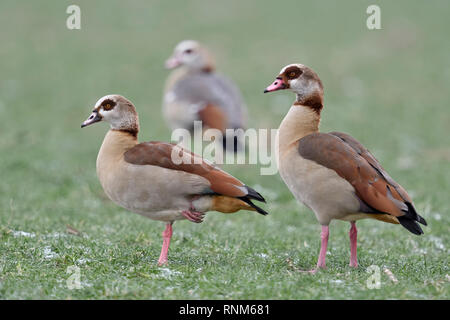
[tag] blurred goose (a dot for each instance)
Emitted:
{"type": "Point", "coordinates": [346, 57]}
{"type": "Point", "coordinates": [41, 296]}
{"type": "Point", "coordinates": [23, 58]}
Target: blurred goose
{"type": "Point", "coordinates": [332, 173]}
{"type": "Point", "coordinates": [196, 92]}
{"type": "Point", "coordinates": [160, 180]}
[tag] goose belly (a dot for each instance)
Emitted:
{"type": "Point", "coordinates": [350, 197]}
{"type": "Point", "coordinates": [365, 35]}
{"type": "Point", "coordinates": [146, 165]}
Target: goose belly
{"type": "Point", "coordinates": [319, 188]}
{"type": "Point", "coordinates": [155, 192]}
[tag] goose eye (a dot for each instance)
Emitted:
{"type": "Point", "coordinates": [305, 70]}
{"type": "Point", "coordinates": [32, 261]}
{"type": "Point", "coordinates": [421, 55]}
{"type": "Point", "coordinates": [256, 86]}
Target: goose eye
{"type": "Point", "coordinates": [108, 105]}
{"type": "Point", "coordinates": [188, 51]}
{"type": "Point", "coordinates": [292, 74]}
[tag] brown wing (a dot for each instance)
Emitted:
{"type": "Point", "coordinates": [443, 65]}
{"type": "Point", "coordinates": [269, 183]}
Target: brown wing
{"type": "Point", "coordinates": [397, 192]}
{"type": "Point", "coordinates": [374, 187]}
{"type": "Point", "coordinates": [370, 185]}
{"type": "Point", "coordinates": [173, 157]}
{"type": "Point", "coordinates": [213, 117]}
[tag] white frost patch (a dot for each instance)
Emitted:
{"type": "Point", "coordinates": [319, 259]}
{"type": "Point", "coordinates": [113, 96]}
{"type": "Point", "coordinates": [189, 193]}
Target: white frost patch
{"type": "Point", "coordinates": [85, 284]}
{"type": "Point", "coordinates": [291, 229]}
{"type": "Point", "coordinates": [437, 242]}
{"type": "Point", "coordinates": [23, 234]}
{"type": "Point", "coordinates": [56, 235]}
{"type": "Point", "coordinates": [337, 281]}
{"type": "Point", "coordinates": [48, 253]}
{"type": "Point", "coordinates": [83, 261]}
{"type": "Point", "coordinates": [262, 255]}
{"type": "Point", "coordinates": [437, 217]}
{"type": "Point", "coordinates": [167, 273]}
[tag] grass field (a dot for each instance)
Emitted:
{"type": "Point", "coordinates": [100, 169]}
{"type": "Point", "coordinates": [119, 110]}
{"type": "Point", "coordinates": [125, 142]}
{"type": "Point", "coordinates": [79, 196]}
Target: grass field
{"type": "Point", "coordinates": [388, 88]}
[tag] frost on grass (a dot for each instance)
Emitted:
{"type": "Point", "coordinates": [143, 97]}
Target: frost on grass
{"type": "Point", "coordinates": [337, 281]}
{"type": "Point", "coordinates": [162, 273]}
{"type": "Point", "coordinates": [23, 234]}
{"type": "Point", "coordinates": [437, 243]}
{"type": "Point", "coordinates": [82, 261]}
{"type": "Point", "coordinates": [48, 253]}
{"type": "Point", "coordinates": [167, 273]}
{"type": "Point", "coordinates": [291, 229]}
{"type": "Point", "coordinates": [55, 235]}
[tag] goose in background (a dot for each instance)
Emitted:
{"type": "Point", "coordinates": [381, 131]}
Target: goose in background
{"type": "Point", "coordinates": [194, 91]}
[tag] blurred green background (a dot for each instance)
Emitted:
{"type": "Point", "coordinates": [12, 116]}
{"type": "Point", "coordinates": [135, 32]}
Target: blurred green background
{"type": "Point", "coordinates": [388, 88]}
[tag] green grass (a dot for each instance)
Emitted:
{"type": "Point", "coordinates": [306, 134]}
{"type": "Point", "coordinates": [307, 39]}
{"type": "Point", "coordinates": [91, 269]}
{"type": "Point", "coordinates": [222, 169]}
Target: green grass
{"type": "Point", "coordinates": [388, 88]}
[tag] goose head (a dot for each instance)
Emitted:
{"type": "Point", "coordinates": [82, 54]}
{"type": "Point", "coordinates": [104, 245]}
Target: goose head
{"type": "Point", "coordinates": [191, 55]}
{"type": "Point", "coordinates": [303, 81]}
{"type": "Point", "coordinates": [118, 111]}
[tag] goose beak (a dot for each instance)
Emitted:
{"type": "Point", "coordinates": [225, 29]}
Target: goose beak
{"type": "Point", "coordinates": [278, 84]}
{"type": "Point", "coordinates": [93, 118]}
{"type": "Point", "coordinates": [172, 62]}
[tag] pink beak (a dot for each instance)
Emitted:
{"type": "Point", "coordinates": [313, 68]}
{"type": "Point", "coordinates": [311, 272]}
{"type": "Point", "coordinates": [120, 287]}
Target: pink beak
{"type": "Point", "coordinates": [278, 84]}
{"type": "Point", "coordinates": [173, 62]}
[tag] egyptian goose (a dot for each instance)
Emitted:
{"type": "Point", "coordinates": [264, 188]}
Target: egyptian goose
{"type": "Point", "coordinates": [195, 92]}
{"type": "Point", "coordinates": [332, 173]}
{"type": "Point", "coordinates": [160, 180]}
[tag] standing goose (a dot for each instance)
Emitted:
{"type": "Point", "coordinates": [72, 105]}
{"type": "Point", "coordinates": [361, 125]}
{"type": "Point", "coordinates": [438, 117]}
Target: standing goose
{"type": "Point", "coordinates": [332, 173]}
{"type": "Point", "coordinates": [195, 92]}
{"type": "Point", "coordinates": [160, 180]}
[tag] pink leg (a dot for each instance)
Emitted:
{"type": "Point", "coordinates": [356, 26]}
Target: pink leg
{"type": "Point", "coordinates": [167, 235]}
{"type": "Point", "coordinates": [353, 245]}
{"type": "Point", "coordinates": [323, 249]}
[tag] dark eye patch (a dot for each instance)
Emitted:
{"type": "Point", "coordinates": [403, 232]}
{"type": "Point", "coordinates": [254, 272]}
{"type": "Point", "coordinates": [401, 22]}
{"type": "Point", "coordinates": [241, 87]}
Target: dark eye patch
{"type": "Point", "coordinates": [188, 51]}
{"type": "Point", "coordinates": [108, 104]}
{"type": "Point", "coordinates": [293, 72]}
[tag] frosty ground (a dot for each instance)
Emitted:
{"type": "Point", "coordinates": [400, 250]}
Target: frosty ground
{"type": "Point", "coordinates": [387, 88]}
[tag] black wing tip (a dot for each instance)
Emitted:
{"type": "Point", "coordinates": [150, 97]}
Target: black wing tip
{"type": "Point", "coordinates": [412, 213]}
{"type": "Point", "coordinates": [422, 220]}
{"type": "Point", "coordinates": [411, 225]}
{"type": "Point", "coordinates": [260, 211]}
{"type": "Point", "coordinates": [253, 194]}
{"type": "Point", "coordinates": [251, 204]}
